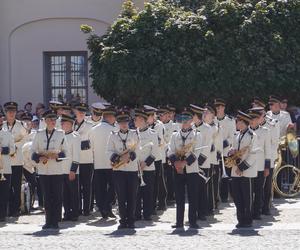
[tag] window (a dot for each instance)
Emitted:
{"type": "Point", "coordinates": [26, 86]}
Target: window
{"type": "Point", "coordinates": [66, 76]}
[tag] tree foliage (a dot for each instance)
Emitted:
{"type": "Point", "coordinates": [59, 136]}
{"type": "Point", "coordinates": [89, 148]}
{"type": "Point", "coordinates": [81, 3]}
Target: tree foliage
{"type": "Point", "coordinates": [173, 52]}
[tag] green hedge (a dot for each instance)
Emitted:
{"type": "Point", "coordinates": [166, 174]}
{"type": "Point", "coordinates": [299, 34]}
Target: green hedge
{"type": "Point", "coordinates": [170, 54]}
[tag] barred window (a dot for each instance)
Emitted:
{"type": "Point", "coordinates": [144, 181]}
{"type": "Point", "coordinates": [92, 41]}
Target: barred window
{"type": "Point", "coordinates": [66, 76]}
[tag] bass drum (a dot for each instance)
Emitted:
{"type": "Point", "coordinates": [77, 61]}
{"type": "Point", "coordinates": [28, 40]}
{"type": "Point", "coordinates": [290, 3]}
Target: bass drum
{"type": "Point", "coordinates": [286, 181]}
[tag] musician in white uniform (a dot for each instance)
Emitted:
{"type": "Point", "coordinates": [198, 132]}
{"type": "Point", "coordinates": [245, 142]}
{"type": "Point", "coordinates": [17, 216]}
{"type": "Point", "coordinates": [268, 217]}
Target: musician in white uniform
{"type": "Point", "coordinates": [49, 147]}
{"type": "Point", "coordinates": [19, 133]}
{"type": "Point", "coordinates": [104, 188]}
{"type": "Point", "coordinates": [169, 127]}
{"type": "Point", "coordinates": [273, 126]}
{"type": "Point", "coordinates": [71, 170]}
{"type": "Point", "coordinates": [215, 154]}
{"type": "Point", "coordinates": [96, 113]}
{"type": "Point", "coordinates": [205, 189]}
{"type": "Point", "coordinates": [283, 117]}
{"type": "Point", "coordinates": [160, 189]}
{"type": "Point", "coordinates": [147, 152]}
{"type": "Point", "coordinates": [187, 177]}
{"type": "Point", "coordinates": [245, 170]}
{"type": "Point", "coordinates": [7, 147]}
{"type": "Point", "coordinates": [228, 129]}
{"type": "Point", "coordinates": [263, 158]}
{"type": "Point", "coordinates": [58, 108]}
{"type": "Point", "coordinates": [86, 164]}
{"type": "Point", "coordinates": [121, 149]}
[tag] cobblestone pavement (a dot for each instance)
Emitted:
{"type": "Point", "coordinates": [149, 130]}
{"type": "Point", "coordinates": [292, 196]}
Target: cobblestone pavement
{"type": "Point", "coordinates": [280, 231]}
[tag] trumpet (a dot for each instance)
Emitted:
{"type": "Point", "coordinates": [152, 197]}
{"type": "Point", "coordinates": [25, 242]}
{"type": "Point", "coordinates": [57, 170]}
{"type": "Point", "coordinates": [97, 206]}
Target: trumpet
{"type": "Point", "coordinates": [224, 175]}
{"type": "Point", "coordinates": [231, 161]}
{"type": "Point", "coordinates": [201, 174]}
{"type": "Point", "coordinates": [140, 174]}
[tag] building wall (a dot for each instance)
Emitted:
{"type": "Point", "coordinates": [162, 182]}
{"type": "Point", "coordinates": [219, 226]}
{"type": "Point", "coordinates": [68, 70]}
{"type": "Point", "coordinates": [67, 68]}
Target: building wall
{"type": "Point", "coordinates": [30, 27]}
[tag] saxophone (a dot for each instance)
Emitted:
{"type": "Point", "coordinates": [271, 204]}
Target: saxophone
{"type": "Point", "coordinates": [180, 153]}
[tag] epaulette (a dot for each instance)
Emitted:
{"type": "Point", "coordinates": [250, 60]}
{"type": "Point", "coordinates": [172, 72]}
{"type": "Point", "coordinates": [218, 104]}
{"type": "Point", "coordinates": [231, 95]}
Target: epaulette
{"type": "Point", "coordinates": [76, 133]}
{"type": "Point", "coordinates": [230, 117]}
{"type": "Point", "coordinates": [284, 112]}
{"type": "Point", "coordinates": [152, 131]}
{"type": "Point", "coordinates": [59, 130]}
{"type": "Point", "coordinates": [40, 130]}
{"type": "Point", "coordinates": [251, 133]}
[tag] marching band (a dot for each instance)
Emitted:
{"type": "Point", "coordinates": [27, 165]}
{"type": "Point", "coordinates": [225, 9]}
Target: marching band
{"type": "Point", "coordinates": [141, 160]}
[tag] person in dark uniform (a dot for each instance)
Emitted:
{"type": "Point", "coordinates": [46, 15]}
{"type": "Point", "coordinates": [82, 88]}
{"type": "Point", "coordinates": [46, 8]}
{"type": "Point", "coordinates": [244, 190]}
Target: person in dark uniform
{"type": "Point", "coordinates": [19, 133]}
{"type": "Point", "coordinates": [71, 170]}
{"type": "Point", "coordinates": [121, 150]}
{"type": "Point", "coordinates": [183, 154]}
{"type": "Point", "coordinates": [49, 148]}
{"type": "Point", "coordinates": [7, 147]}
{"type": "Point", "coordinates": [244, 170]}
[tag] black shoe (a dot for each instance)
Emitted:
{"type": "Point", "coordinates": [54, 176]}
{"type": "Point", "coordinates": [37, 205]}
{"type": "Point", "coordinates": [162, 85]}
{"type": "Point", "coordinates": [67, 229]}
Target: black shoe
{"type": "Point", "coordinates": [246, 225]}
{"type": "Point", "coordinates": [161, 208]}
{"type": "Point", "coordinates": [104, 215]}
{"type": "Point", "coordinates": [74, 218]}
{"type": "Point", "coordinates": [257, 217]}
{"type": "Point", "coordinates": [122, 226]}
{"type": "Point", "coordinates": [111, 215]}
{"type": "Point", "coordinates": [66, 219]}
{"type": "Point", "coordinates": [177, 226]}
{"type": "Point", "coordinates": [154, 212]}
{"type": "Point", "coordinates": [131, 226]}
{"type": "Point", "coordinates": [54, 226]}
{"type": "Point", "coordinates": [86, 213]}
{"type": "Point", "coordinates": [15, 214]}
{"type": "Point", "coordinates": [148, 218]}
{"type": "Point", "coordinates": [138, 217]}
{"type": "Point", "coordinates": [266, 212]}
{"type": "Point", "coordinates": [239, 225]}
{"type": "Point", "coordinates": [46, 226]}
{"type": "Point", "coordinates": [224, 200]}
{"type": "Point", "coordinates": [2, 219]}
{"type": "Point", "coordinates": [194, 225]}
{"type": "Point", "coordinates": [202, 218]}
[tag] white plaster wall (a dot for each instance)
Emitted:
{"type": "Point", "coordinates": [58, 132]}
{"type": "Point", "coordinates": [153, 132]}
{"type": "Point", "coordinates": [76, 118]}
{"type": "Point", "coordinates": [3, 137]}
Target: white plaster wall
{"type": "Point", "coordinates": [30, 27]}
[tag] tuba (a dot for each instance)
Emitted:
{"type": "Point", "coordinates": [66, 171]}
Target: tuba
{"type": "Point", "coordinates": [286, 177]}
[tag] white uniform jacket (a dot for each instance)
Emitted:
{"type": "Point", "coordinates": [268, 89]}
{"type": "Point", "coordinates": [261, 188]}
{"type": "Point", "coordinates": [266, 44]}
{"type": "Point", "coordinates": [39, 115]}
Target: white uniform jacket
{"type": "Point", "coordinates": [86, 153]}
{"type": "Point", "coordinates": [184, 138]}
{"type": "Point", "coordinates": [148, 149]}
{"type": "Point", "coordinates": [74, 144]}
{"type": "Point", "coordinates": [54, 142]}
{"type": "Point", "coordinates": [228, 129]}
{"type": "Point", "coordinates": [19, 134]}
{"type": "Point", "coordinates": [248, 162]}
{"type": "Point", "coordinates": [263, 155]}
{"type": "Point", "coordinates": [99, 136]}
{"type": "Point", "coordinates": [7, 147]}
{"type": "Point", "coordinates": [118, 142]}
{"type": "Point", "coordinates": [206, 135]}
